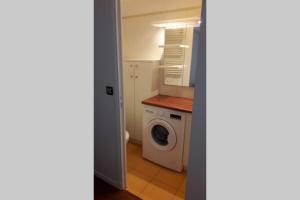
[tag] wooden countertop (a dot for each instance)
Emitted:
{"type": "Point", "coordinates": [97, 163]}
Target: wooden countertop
{"type": "Point", "coordinates": [175, 103]}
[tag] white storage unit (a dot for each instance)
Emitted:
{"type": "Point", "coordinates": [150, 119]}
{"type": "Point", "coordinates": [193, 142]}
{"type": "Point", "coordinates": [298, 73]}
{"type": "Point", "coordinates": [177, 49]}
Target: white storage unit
{"type": "Point", "coordinates": [141, 81]}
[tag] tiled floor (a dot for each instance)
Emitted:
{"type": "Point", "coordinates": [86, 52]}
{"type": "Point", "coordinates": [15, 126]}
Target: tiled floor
{"type": "Point", "coordinates": [150, 181]}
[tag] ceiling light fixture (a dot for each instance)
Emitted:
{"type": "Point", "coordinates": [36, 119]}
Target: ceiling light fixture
{"type": "Point", "coordinates": [179, 23]}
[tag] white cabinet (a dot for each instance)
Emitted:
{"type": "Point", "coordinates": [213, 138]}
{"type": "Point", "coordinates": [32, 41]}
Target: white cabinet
{"type": "Point", "coordinates": [141, 81]}
{"type": "Point", "coordinates": [128, 86]}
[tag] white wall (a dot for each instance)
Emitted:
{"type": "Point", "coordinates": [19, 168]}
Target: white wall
{"type": "Point", "coordinates": [177, 91]}
{"type": "Point", "coordinates": [136, 7]}
{"type": "Point", "coordinates": [141, 40]}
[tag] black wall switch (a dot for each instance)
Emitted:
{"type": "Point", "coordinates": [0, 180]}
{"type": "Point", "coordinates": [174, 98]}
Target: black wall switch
{"type": "Point", "coordinates": [109, 90]}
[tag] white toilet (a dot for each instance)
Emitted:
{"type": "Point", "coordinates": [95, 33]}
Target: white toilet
{"type": "Point", "coordinates": [126, 136]}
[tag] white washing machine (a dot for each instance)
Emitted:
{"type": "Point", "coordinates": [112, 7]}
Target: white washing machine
{"type": "Point", "coordinates": [163, 136]}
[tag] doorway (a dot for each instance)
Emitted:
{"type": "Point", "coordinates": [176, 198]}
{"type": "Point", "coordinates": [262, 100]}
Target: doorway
{"type": "Point", "coordinates": [157, 46]}
{"type": "Point", "coordinates": [110, 125]}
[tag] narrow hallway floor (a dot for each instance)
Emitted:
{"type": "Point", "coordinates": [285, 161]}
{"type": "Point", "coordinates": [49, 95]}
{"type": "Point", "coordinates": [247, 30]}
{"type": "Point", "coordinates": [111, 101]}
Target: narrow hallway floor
{"type": "Point", "coordinates": [104, 191]}
{"type": "Point", "coordinates": [150, 181]}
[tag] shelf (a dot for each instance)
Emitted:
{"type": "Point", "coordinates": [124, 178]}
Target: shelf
{"type": "Point", "coordinates": [172, 66]}
{"type": "Point", "coordinates": [174, 46]}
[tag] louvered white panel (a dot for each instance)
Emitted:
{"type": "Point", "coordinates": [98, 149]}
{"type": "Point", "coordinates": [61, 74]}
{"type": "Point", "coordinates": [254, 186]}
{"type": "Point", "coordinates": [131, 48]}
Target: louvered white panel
{"type": "Point", "coordinates": [173, 75]}
{"type": "Point", "coordinates": [175, 36]}
{"type": "Point", "coordinates": [174, 70]}
{"type": "Point", "coordinates": [174, 55]}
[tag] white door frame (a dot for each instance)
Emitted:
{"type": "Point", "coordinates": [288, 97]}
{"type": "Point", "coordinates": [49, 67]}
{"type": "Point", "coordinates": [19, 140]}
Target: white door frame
{"type": "Point", "coordinates": [121, 91]}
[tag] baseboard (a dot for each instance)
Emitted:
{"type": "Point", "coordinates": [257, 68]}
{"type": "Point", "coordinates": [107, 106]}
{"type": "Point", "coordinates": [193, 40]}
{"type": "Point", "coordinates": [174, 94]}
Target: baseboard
{"type": "Point", "coordinates": [108, 180]}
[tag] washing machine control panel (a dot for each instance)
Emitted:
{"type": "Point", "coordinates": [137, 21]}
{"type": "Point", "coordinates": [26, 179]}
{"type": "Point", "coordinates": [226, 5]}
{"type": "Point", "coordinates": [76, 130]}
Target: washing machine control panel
{"type": "Point", "coordinates": [173, 116]}
{"type": "Point", "coordinates": [150, 111]}
{"type": "Point", "coordinates": [164, 113]}
{"type": "Point", "coordinates": [155, 112]}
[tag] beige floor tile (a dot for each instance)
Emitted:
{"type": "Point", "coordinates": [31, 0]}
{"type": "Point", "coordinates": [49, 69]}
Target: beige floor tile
{"type": "Point", "coordinates": [182, 186]}
{"type": "Point", "coordinates": [136, 182]}
{"type": "Point", "coordinates": [150, 181]}
{"type": "Point", "coordinates": [138, 152]}
{"type": "Point", "coordinates": [134, 155]}
{"type": "Point", "coordinates": [133, 150]}
{"type": "Point", "coordinates": [132, 147]}
{"type": "Point", "coordinates": [169, 177]}
{"type": "Point", "coordinates": [133, 160]}
{"type": "Point", "coordinates": [179, 195]}
{"type": "Point", "coordinates": [148, 168]}
{"type": "Point", "coordinates": [158, 191]}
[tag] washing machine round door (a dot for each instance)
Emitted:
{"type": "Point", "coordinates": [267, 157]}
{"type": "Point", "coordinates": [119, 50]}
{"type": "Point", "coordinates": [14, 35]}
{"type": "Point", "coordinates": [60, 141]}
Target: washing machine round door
{"type": "Point", "coordinates": [161, 135]}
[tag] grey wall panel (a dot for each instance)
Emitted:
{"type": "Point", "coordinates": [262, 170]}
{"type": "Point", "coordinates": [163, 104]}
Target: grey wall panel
{"type": "Point", "coordinates": [196, 179]}
{"type": "Point", "coordinates": [107, 140]}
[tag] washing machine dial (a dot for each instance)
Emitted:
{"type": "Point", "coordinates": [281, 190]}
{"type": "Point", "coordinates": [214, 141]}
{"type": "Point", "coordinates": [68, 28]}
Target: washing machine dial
{"type": "Point", "coordinates": [150, 111]}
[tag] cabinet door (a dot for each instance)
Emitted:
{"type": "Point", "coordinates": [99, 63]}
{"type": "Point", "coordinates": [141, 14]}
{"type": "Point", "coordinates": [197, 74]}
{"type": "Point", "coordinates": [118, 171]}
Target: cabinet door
{"type": "Point", "coordinates": [128, 79]}
{"type": "Point", "coordinates": [144, 88]}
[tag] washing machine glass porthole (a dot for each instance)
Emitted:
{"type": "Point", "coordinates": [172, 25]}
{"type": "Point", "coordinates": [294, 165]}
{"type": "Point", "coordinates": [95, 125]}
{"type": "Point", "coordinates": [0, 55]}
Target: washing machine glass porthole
{"type": "Point", "coordinates": [160, 135]}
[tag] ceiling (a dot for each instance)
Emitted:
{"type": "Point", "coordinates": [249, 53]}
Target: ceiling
{"type": "Point", "coordinates": [136, 7]}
